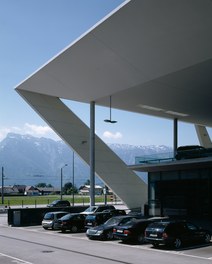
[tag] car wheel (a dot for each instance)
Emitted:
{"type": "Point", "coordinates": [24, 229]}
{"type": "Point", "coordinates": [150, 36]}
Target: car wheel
{"type": "Point", "coordinates": [207, 238]}
{"type": "Point", "coordinates": [109, 235]}
{"type": "Point", "coordinates": [155, 244]}
{"type": "Point", "coordinates": [74, 229]}
{"type": "Point", "coordinates": [177, 243]}
{"type": "Point", "coordinates": [140, 239]}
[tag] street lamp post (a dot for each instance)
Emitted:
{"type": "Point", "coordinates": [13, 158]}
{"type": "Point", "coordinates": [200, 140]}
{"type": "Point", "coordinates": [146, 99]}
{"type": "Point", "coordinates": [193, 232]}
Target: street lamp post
{"type": "Point", "coordinates": [61, 181]}
{"type": "Point", "coordinates": [2, 185]}
{"type": "Point", "coordinates": [73, 179]}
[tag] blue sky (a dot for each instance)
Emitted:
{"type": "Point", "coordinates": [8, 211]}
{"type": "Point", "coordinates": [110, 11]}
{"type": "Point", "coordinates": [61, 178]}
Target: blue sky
{"type": "Point", "coordinates": [32, 32]}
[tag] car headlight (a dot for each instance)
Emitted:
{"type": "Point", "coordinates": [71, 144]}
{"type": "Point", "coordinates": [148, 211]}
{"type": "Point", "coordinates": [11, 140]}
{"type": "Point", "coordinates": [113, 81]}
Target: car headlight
{"type": "Point", "coordinates": [99, 232]}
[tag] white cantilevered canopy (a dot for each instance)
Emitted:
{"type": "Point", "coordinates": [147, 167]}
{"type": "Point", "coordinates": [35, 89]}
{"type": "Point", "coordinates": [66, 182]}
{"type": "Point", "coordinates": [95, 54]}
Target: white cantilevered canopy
{"type": "Point", "coordinates": [153, 57]}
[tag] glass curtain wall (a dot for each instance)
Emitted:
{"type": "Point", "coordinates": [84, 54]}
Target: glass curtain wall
{"type": "Point", "coordinates": [181, 193]}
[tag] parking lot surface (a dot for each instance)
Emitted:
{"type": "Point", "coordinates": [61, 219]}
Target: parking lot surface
{"type": "Point", "coordinates": [33, 244]}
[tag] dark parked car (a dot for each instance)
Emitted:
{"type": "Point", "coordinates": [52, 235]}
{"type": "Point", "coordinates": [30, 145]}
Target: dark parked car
{"type": "Point", "coordinates": [50, 218]}
{"type": "Point", "coordinates": [189, 152]}
{"type": "Point", "coordinates": [59, 203]}
{"type": "Point", "coordinates": [174, 233]}
{"type": "Point", "coordinates": [96, 219]}
{"type": "Point", "coordinates": [97, 208]}
{"type": "Point", "coordinates": [105, 231]}
{"type": "Point", "coordinates": [133, 231]}
{"type": "Point", "coordinates": [73, 222]}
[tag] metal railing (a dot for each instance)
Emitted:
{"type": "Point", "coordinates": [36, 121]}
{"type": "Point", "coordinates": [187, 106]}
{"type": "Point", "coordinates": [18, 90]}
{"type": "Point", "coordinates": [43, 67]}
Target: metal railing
{"type": "Point", "coordinates": [155, 158]}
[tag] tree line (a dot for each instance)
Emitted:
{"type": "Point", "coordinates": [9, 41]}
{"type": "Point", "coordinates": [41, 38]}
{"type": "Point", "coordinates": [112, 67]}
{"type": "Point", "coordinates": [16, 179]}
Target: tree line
{"type": "Point", "coordinates": [67, 189]}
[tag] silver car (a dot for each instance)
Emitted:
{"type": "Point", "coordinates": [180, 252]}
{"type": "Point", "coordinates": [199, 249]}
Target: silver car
{"type": "Point", "coordinates": [50, 219]}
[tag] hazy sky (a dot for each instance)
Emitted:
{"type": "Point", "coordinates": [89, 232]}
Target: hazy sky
{"type": "Point", "coordinates": [32, 32]}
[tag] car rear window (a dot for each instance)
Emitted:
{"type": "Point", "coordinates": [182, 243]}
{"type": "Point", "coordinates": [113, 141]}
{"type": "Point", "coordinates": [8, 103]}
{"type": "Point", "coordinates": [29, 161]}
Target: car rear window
{"type": "Point", "coordinates": [66, 217]}
{"type": "Point", "coordinates": [90, 217]}
{"type": "Point", "coordinates": [159, 225]}
{"type": "Point", "coordinates": [91, 209]}
{"type": "Point", "coordinates": [127, 220]}
{"type": "Point", "coordinates": [60, 215]}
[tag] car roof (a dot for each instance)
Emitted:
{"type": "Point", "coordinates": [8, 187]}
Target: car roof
{"type": "Point", "coordinates": [59, 212]}
{"type": "Point", "coordinates": [166, 222]}
{"type": "Point", "coordinates": [56, 201]}
{"type": "Point", "coordinates": [189, 147]}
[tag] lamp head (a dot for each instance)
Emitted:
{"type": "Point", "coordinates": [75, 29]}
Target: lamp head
{"type": "Point", "coordinates": [110, 121]}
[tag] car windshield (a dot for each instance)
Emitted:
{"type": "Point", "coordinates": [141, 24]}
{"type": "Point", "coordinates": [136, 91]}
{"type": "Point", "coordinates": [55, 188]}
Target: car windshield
{"type": "Point", "coordinates": [54, 202]}
{"type": "Point", "coordinates": [91, 209]}
{"type": "Point", "coordinates": [48, 216]}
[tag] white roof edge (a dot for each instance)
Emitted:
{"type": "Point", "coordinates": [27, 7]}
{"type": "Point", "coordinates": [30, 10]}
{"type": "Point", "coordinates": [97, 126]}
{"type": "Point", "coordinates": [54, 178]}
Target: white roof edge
{"type": "Point", "coordinates": [75, 41]}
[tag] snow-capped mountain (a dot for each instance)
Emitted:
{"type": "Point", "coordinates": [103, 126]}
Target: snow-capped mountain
{"type": "Point", "coordinates": [29, 160]}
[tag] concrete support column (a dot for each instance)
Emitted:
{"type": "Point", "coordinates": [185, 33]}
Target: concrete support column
{"type": "Point", "coordinates": [92, 153]}
{"type": "Point", "coordinates": [175, 136]}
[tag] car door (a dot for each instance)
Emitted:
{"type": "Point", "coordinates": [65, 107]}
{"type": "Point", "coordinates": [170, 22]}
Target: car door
{"type": "Point", "coordinates": [79, 221]}
{"type": "Point", "coordinates": [194, 231]}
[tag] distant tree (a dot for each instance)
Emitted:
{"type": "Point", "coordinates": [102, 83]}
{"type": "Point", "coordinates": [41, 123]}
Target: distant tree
{"type": "Point", "coordinates": [88, 182]}
{"type": "Point", "coordinates": [69, 188]}
{"type": "Point", "coordinates": [72, 190]}
{"type": "Point", "coordinates": [41, 185]}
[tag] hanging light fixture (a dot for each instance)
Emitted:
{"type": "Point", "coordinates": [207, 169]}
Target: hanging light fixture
{"type": "Point", "coordinates": [110, 120]}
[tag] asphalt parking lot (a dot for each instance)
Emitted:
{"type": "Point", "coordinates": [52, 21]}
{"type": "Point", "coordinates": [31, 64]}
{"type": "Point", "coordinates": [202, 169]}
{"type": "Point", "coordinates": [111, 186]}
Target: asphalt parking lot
{"type": "Point", "coordinates": [201, 252]}
{"type": "Point", "coordinates": [196, 251]}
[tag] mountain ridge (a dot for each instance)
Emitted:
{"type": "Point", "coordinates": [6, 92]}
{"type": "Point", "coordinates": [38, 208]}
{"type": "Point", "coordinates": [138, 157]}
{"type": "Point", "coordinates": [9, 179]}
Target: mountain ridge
{"type": "Point", "coordinates": [30, 160]}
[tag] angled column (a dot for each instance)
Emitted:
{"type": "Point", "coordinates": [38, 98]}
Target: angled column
{"type": "Point", "coordinates": [203, 136]}
{"type": "Point", "coordinates": [108, 166]}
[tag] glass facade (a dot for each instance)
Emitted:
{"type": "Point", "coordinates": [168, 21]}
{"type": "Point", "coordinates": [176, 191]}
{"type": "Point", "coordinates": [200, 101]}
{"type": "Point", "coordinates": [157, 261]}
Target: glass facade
{"type": "Point", "coordinates": [181, 193]}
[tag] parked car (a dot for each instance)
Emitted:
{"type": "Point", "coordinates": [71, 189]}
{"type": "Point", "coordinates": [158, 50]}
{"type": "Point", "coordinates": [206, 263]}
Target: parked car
{"type": "Point", "coordinates": [50, 219]}
{"type": "Point", "coordinates": [133, 231]}
{"type": "Point", "coordinates": [97, 208]}
{"type": "Point", "coordinates": [175, 233]}
{"type": "Point", "coordinates": [73, 222]}
{"type": "Point", "coordinates": [59, 203]}
{"type": "Point", "coordinates": [105, 231]}
{"type": "Point", "coordinates": [99, 218]}
{"type": "Point", "coordinates": [189, 152]}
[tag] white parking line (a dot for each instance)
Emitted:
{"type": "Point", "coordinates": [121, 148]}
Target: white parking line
{"type": "Point", "coordinates": [16, 259]}
{"type": "Point", "coordinates": [145, 247]}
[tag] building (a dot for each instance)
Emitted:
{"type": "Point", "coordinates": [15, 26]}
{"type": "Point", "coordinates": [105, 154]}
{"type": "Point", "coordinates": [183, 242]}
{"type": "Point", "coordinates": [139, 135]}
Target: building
{"type": "Point", "coordinates": [31, 191]}
{"type": "Point", "coordinates": [9, 190]}
{"type": "Point", "coordinates": [48, 190]}
{"type": "Point", "coordinates": [85, 190]}
{"type": "Point", "coordinates": [179, 187]}
{"type": "Point", "coordinates": [149, 57]}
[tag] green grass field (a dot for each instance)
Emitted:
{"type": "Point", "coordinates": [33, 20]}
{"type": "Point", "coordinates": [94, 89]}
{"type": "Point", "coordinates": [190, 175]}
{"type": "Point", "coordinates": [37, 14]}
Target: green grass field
{"type": "Point", "coordinates": [39, 200]}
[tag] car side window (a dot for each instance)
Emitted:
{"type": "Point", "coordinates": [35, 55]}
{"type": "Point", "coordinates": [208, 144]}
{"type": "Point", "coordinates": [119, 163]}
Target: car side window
{"type": "Point", "coordinates": [191, 227]}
